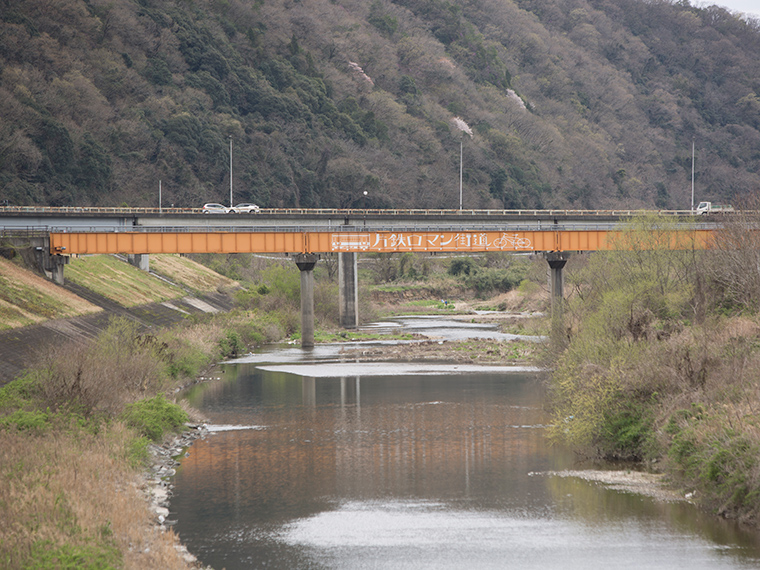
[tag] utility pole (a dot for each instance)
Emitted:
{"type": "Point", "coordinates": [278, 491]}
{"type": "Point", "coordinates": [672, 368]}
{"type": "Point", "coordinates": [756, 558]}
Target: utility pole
{"type": "Point", "coordinates": [460, 171]}
{"type": "Point", "coordinates": [231, 204]}
{"type": "Point", "coordinates": [692, 175]}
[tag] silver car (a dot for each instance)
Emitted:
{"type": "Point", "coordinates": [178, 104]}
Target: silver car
{"type": "Point", "coordinates": [245, 208]}
{"type": "Point", "coordinates": [213, 208]}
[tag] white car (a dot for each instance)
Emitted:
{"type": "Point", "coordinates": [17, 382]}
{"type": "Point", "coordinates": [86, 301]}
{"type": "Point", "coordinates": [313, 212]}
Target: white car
{"type": "Point", "coordinates": [245, 208]}
{"type": "Point", "coordinates": [213, 208]}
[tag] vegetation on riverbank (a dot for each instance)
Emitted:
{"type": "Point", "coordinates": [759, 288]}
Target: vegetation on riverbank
{"type": "Point", "coordinates": [74, 433]}
{"type": "Point", "coordinates": [661, 362]}
{"type": "Point", "coordinates": [89, 411]}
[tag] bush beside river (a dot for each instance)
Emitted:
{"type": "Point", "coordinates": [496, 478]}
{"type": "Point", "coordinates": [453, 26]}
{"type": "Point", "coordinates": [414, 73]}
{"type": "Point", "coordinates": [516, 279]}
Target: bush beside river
{"type": "Point", "coordinates": [659, 362]}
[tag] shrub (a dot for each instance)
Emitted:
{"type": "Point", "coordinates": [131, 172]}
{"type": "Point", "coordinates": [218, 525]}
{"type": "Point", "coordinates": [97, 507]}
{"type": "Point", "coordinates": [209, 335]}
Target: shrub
{"type": "Point", "coordinates": [33, 421]}
{"type": "Point", "coordinates": [137, 451]}
{"type": "Point", "coordinates": [231, 345]}
{"type": "Point", "coordinates": [186, 361]}
{"type": "Point", "coordinates": [462, 266]}
{"type": "Point", "coordinates": [627, 432]}
{"type": "Point", "coordinates": [154, 417]}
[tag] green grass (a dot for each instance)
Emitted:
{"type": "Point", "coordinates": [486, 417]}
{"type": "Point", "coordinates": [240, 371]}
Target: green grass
{"type": "Point", "coordinates": [119, 281]}
{"type": "Point", "coordinates": [154, 417]}
{"type": "Point", "coordinates": [348, 336]}
{"type": "Point", "coordinates": [27, 299]}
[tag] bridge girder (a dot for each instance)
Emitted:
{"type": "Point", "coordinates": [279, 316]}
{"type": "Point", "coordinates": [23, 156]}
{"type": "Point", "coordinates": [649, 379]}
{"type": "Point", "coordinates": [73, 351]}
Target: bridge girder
{"type": "Point", "coordinates": [104, 242]}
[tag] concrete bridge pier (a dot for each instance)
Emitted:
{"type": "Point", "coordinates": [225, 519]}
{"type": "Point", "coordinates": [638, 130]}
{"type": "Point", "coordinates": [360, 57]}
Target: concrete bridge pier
{"type": "Point", "coordinates": [305, 263]}
{"type": "Point", "coordinates": [139, 260]}
{"type": "Point", "coordinates": [50, 265]}
{"type": "Point", "coordinates": [348, 291]}
{"type": "Point", "coordinates": [557, 261]}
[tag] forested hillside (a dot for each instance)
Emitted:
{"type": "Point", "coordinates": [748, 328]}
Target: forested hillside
{"type": "Point", "coordinates": [561, 103]}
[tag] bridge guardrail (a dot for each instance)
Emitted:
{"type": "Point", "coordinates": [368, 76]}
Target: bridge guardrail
{"type": "Point", "coordinates": [343, 229]}
{"type": "Point", "coordinates": [339, 212]}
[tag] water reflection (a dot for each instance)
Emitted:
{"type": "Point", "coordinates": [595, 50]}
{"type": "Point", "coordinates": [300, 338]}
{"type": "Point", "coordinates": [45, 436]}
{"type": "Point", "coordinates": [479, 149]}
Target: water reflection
{"type": "Point", "coordinates": [411, 471]}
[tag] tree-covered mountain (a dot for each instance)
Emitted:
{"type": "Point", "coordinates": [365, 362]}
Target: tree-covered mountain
{"type": "Point", "coordinates": [570, 103]}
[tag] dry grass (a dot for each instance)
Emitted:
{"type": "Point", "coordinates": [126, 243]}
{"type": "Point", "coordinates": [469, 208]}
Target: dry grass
{"type": "Point", "coordinates": [183, 270]}
{"type": "Point", "coordinates": [70, 492]}
{"type": "Point", "coordinates": [120, 366]}
{"type": "Point", "coordinates": [77, 489]}
{"type": "Point", "coordinates": [27, 298]}
{"type": "Point", "coordinates": [119, 281]}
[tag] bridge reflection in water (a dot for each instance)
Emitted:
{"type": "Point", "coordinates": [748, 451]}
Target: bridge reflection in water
{"type": "Point", "coordinates": [412, 471]}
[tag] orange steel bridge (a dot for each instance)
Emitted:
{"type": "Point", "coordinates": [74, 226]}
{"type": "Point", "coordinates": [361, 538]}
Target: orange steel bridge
{"type": "Point", "coordinates": [198, 240]}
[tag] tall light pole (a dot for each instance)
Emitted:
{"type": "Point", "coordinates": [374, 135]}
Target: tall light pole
{"type": "Point", "coordinates": [462, 126]}
{"type": "Point", "coordinates": [231, 204]}
{"type": "Point", "coordinates": [692, 175]}
{"type": "Point", "coordinates": [461, 163]}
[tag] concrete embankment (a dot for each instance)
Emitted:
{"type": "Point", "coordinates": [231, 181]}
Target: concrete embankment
{"type": "Point", "coordinates": [21, 347]}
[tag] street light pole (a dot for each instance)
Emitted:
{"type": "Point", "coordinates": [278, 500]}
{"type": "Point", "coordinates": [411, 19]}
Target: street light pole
{"type": "Point", "coordinates": [692, 175]}
{"type": "Point", "coordinates": [231, 204]}
{"type": "Point", "coordinates": [462, 126]}
{"type": "Point", "coordinates": [460, 172]}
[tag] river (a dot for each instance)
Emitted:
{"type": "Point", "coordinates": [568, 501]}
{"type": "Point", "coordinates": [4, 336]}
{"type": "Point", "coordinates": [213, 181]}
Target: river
{"type": "Point", "coordinates": [315, 462]}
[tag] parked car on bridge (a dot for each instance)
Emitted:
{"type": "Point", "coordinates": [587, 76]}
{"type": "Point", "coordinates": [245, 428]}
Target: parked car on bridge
{"type": "Point", "coordinates": [245, 208]}
{"type": "Point", "coordinates": [213, 208]}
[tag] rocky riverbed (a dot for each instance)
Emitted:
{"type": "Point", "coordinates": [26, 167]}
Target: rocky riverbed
{"type": "Point", "coordinates": [158, 484]}
{"type": "Point", "coordinates": [473, 351]}
{"type": "Point", "coordinates": [653, 485]}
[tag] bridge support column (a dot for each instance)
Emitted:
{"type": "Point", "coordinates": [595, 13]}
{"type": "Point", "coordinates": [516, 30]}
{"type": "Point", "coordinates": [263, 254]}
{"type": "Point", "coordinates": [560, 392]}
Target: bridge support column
{"type": "Point", "coordinates": [305, 263]}
{"type": "Point", "coordinates": [139, 260]}
{"type": "Point", "coordinates": [348, 291]}
{"type": "Point", "coordinates": [557, 261]}
{"type": "Point", "coordinates": [51, 265]}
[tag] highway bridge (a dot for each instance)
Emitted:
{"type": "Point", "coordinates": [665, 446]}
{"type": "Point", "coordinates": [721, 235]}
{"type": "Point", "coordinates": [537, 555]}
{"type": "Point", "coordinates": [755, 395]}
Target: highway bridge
{"type": "Point", "coordinates": [177, 230]}
{"type": "Point", "coordinates": [306, 233]}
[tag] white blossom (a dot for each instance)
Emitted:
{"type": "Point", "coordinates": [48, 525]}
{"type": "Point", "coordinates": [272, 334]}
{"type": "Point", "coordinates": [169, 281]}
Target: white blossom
{"type": "Point", "coordinates": [462, 126]}
{"type": "Point", "coordinates": [357, 68]}
{"type": "Point", "coordinates": [515, 97]}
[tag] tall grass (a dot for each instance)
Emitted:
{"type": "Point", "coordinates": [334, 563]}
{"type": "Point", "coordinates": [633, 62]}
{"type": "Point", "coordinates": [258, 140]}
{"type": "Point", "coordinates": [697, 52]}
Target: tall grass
{"type": "Point", "coordinates": [73, 433]}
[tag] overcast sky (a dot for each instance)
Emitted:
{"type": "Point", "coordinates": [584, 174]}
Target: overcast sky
{"type": "Point", "coordinates": [751, 7]}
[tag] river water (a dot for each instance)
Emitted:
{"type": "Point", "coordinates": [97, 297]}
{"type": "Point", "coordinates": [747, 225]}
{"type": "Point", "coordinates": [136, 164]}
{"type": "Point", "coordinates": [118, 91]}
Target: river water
{"type": "Point", "coordinates": [318, 462]}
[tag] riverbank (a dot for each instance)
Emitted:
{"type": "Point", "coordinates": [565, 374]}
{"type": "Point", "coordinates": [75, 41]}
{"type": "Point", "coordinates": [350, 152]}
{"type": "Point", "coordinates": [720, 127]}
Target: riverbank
{"type": "Point", "coordinates": [659, 363]}
{"type": "Point", "coordinates": [165, 458]}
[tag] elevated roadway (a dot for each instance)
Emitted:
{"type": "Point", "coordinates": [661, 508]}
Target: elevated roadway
{"type": "Point", "coordinates": [139, 232]}
{"type": "Point", "coordinates": [179, 230]}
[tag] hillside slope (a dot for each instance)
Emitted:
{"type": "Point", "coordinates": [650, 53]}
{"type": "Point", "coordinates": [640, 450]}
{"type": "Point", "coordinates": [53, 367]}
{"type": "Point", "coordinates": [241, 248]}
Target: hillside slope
{"type": "Point", "coordinates": [588, 103]}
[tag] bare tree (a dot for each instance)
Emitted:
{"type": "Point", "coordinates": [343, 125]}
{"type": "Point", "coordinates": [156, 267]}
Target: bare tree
{"type": "Point", "coordinates": [734, 267]}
